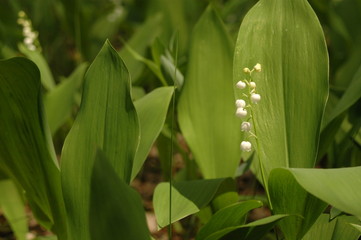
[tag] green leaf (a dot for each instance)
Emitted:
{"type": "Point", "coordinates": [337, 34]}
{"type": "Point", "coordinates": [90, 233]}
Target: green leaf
{"type": "Point", "coordinates": [60, 101]}
{"type": "Point", "coordinates": [288, 197]}
{"type": "Point", "coordinates": [47, 79]}
{"type": "Point", "coordinates": [358, 227]}
{"type": "Point", "coordinates": [293, 83]}
{"type": "Point", "coordinates": [339, 228]}
{"type": "Point", "coordinates": [187, 198]}
{"type": "Point", "coordinates": [350, 96]}
{"type": "Point", "coordinates": [107, 120]}
{"type": "Point", "coordinates": [23, 126]}
{"type": "Point", "coordinates": [338, 187]}
{"type": "Point", "coordinates": [152, 111]}
{"type": "Point", "coordinates": [116, 210]}
{"type": "Point", "coordinates": [13, 207]}
{"type": "Point", "coordinates": [230, 216]}
{"type": "Point", "coordinates": [206, 105]}
{"type": "Point", "coordinates": [142, 38]}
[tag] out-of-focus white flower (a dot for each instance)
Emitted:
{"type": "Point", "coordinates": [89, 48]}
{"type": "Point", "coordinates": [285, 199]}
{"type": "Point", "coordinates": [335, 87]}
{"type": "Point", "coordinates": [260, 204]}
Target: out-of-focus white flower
{"type": "Point", "coordinates": [241, 112]}
{"type": "Point", "coordinates": [246, 126]}
{"type": "Point", "coordinates": [241, 85]}
{"type": "Point", "coordinates": [257, 67]}
{"type": "Point", "coordinates": [255, 97]}
{"type": "Point", "coordinates": [246, 70]}
{"type": "Point", "coordinates": [240, 103]}
{"type": "Point", "coordinates": [252, 84]}
{"type": "Point", "coordinates": [246, 146]}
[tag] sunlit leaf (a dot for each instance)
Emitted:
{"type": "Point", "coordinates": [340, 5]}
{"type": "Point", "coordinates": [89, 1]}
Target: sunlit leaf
{"type": "Point", "coordinates": [206, 105]}
{"type": "Point", "coordinates": [152, 111]}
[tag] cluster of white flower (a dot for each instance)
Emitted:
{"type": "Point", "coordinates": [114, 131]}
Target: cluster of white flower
{"type": "Point", "coordinates": [242, 105]}
{"type": "Point", "coordinates": [30, 36]}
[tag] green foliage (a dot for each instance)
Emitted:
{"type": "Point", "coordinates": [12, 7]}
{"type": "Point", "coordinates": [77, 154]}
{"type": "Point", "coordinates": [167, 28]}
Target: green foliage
{"type": "Point", "coordinates": [107, 119]}
{"type": "Point", "coordinates": [13, 207]}
{"type": "Point", "coordinates": [25, 155]}
{"type": "Point", "coordinates": [339, 228]}
{"type": "Point", "coordinates": [188, 197]}
{"type": "Point", "coordinates": [122, 207]}
{"type": "Point", "coordinates": [206, 105]}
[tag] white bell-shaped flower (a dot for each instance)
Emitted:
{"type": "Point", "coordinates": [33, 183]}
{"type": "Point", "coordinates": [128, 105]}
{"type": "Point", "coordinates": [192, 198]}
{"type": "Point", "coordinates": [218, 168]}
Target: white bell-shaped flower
{"type": "Point", "coordinates": [257, 67]}
{"type": "Point", "coordinates": [246, 70]}
{"type": "Point", "coordinates": [241, 112]}
{"type": "Point", "coordinates": [241, 85]}
{"type": "Point", "coordinates": [246, 146]}
{"type": "Point", "coordinates": [252, 84]}
{"type": "Point", "coordinates": [240, 103]}
{"type": "Point", "coordinates": [255, 97]}
{"type": "Point", "coordinates": [246, 126]}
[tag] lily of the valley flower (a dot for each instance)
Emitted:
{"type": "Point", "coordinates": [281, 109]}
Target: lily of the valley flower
{"type": "Point", "coordinates": [240, 103]}
{"type": "Point", "coordinates": [246, 70]}
{"type": "Point", "coordinates": [246, 146]}
{"type": "Point", "coordinates": [257, 67]}
{"type": "Point", "coordinates": [241, 85]}
{"type": "Point", "coordinates": [246, 126]}
{"type": "Point", "coordinates": [255, 97]}
{"type": "Point", "coordinates": [252, 84]}
{"type": "Point", "coordinates": [241, 112]}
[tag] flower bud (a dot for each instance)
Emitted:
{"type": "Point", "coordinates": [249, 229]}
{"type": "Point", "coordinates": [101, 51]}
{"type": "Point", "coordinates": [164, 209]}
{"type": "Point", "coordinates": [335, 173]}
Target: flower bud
{"type": "Point", "coordinates": [241, 112]}
{"type": "Point", "coordinates": [257, 67]}
{"type": "Point", "coordinates": [241, 85]}
{"type": "Point", "coordinates": [252, 84]}
{"type": "Point", "coordinates": [246, 126]}
{"type": "Point", "coordinates": [246, 70]}
{"type": "Point", "coordinates": [255, 97]}
{"type": "Point", "coordinates": [240, 103]}
{"type": "Point", "coordinates": [246, 146]}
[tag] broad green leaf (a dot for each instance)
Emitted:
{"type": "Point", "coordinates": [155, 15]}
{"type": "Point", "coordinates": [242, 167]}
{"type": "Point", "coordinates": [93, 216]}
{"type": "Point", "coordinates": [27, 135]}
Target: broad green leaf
{"type": "Point", "coordinates": [251, 231]}
{"type": "Point", "coordinates": [26, 154]}
{"type": "Point", "coordinates": [143, 37]}
{"type": "Point", "coordinates": [339, 228]}
{"type": "Point", "coordinates": [107, 120]}
{"type": "Point", "coordinates": [358, 227]}
{"type": "Point", "coordinates": [338, 187]}
{"type": "Point", "coordinates": [286, 38]}
{"type": "Point", "coordinates": [47, 79]}
{"type": "Point", "coordinates": [13, 207]}
{"type": "Point", "coordinates": [206, 105]}
{"type": "Point", "coordinates": [188, 197]}
{"type": "Point", "coordinates": [60, 101]}
{"type": "Point", "coordinates": [152, 111]}
{"type": "Point", "coordinates": [288, 197]}
{"type": "Point", "coordinates": [230, 216]}
{"type": "Point", "coordinates": [116, 210]}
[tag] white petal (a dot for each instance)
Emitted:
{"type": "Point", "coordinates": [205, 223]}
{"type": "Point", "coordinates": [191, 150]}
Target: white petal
{"type": "Point", "coordinates": [241, 112]}
{"type": "Point", "coordinates": [241, 85]}
{"type": "Point", "coordinates": [257, 67]}
{"type": "Point", "coordinates": [246, 146]}
{"type": "Point", "coordinates": [246, 126]}
{"type": "Point", "coordinates": [240, 103]}
{"type": "Point", "coordinates": [255, 97]}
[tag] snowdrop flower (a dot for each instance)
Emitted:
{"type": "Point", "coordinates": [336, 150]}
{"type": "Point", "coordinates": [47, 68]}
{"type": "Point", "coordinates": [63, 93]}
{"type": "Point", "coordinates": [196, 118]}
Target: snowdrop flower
{"type": "Point", "coordinates": [257, 67]}
{"type": "Point", "coordinates": [255, 97]}
{"type": "Point", "coordinates": [246, 126]}
{"type": "Point", "coordinates": [246, 146]}
{"type": "Point", "coordinates": [241, 85]}
{"type": "Point", "coordinates": [240, 103]}
{"type": "Point", "coordinates": [241, 112]}
{"type": "Point", "coordinates": [252, 84]}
